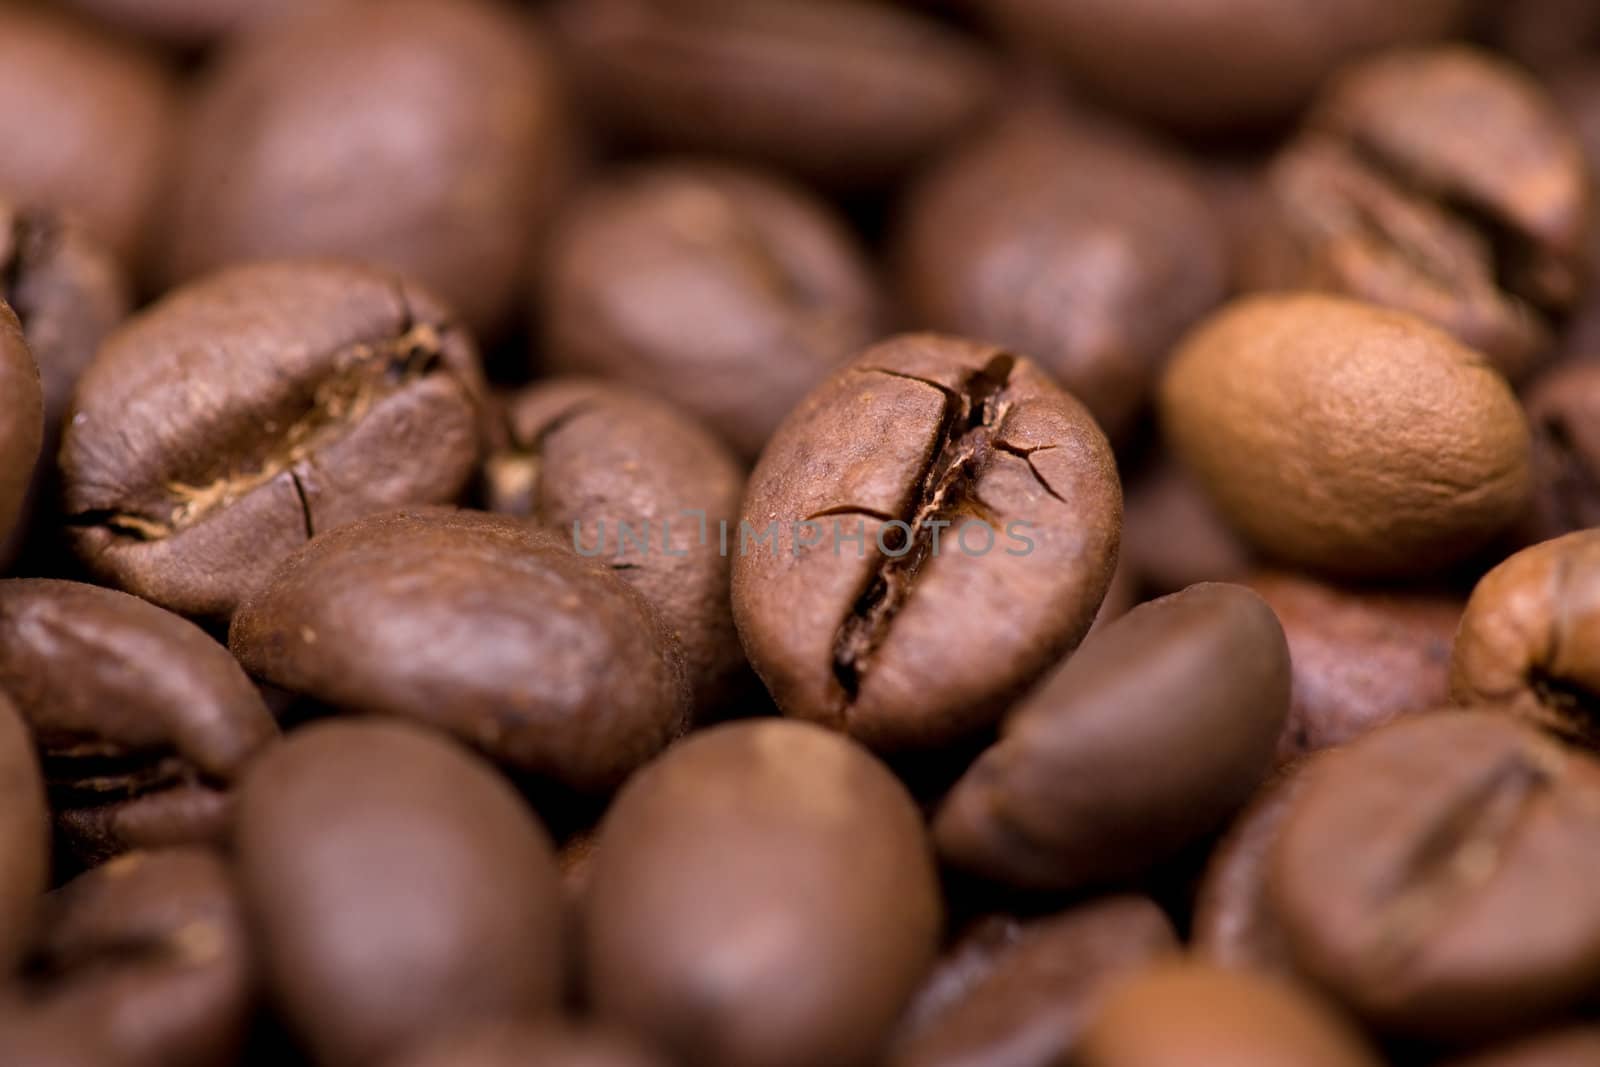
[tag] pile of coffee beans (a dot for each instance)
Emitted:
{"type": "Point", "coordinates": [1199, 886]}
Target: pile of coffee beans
{"type": "Point", "coordinates": [800, 533]}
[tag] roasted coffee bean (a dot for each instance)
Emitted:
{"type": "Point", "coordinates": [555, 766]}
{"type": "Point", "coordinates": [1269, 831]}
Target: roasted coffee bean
{"type": "Point", "coordinates": [192, 23]}
{"type": "Point", "coordinates": [143, 722]}
{"type": "Point", "coordinates": [88, 127]}
{"type": "Point", "coordinates": [519, 1044]}
{"type": "Point", "coordinates": [1530, 639]}
{"type": "Point", "coordinates": [1578, 1046]}
{"type": "Point", "coordinates": [1445, 183]}
{"type": "Point", "coordinates": [846, 92]}
{"type": "Point", "coordinates": [1360, 658]}
{"type": "Point", "coordinates": [24, 837]}
{"type": "Point", "coordinates": [481, 625]}
{"type": "Point", "coordinates": [638, 485]}
{"type": "Point", "coordinates": [226, 425]}
{"type": "Point", "coordinates": [1344, 437]}
{"type": "Point", "coordinates": [763, 894]}
{"type": "Point", "coordinates": [941, 523]}
{"type": "Point", "coordinates": [397, 887]}
{"type": "Point", "coordinates": [1148, 738]}
{"type": "Point", "coordinates": [1437, 875]}
{"type": "Point", "coordinates": [1542, 33]}
{"type": "Point", "coordinates": [1069, 239]}
{"type": "Point", "coordinates": [1209, 64]}
{"type": "Point", "coordinates": [1172, 536]}
{"type": "Point", "coordinates": [424, 135]}
{"type": "Point", "coordinates": [724, 290]}
{"type": "Point", "coordinates": [1181, 1015]}
{"type": "Point", "coordinates": [21, 418]}
{"type": "Point", "coordinates": [1564, 411]}
{"type": "Point", "coordinates": [143, 962]}
{"type": "Point", "coordinates": [1028, 1008]}
{"type": "Point", "coordinates": [1233, 924]}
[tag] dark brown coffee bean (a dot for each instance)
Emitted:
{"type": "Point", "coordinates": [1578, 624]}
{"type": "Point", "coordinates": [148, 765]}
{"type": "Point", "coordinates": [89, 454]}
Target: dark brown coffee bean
{"type": "Point", "coordinates": [452, 102]}
{"type": "Point", "coordinates": [1234, 925]}
{"type": "Point", "coordinates": [1344, 437]}
{"type": "Point", "coordinates": [1564, 412]}
{"type": "Point", "coordinates": [634, 483]}
{"type": "Point", "coordinates": [1172, 536]}
{"type": "Point", "coordinates": [1216, 63]}
{"type": "Point", "coordinates": [1360, 658]}
{"type": "Point", "coordinates": [397, 886]}
{"type": "Point", "coordinates": [88, 126]}
{"type": "Point", "coordinates": [762, 896]}
{"type": "Point", "coordinates": [846, 92]}
{"type": "Point", "coordinates": [1436, 875]}
{"type": "Point", "coordinates": [481, 625]}
{"type": "Point", "coordinates": [192, 23]}
{"type": "Point", "coordinates": [1578, 1046]}
{"type": "Point", "coordinates": [228, 424]}
{"type": "Point", "coordinates": [21, 418]}
{"type": "Point", "coordinates": [143, 962]}
{"type": "Point", "coordinates": [724, 290]}
{"type": "Point", "coordinates": [142, 721]}
{"type": "Point", "coordinates": [1529, 642]}
{"type": "Point", "coordinates": [24, 837]}
{"type": "Point", "coordinates": [1181, 1015]}
{"type": "Point", "coordinates": [1072, 240]}
{"type": "Point", "coordinates": [526, 1044]}
{"type": "Point", "coordinates": [942, 524]}
{"type": "Point", "coordinates": [1148, 738]}
{"type": "Point", "coordinates": [1029, 1007]}
{"type": "Point", "coordinates": [1542, 33]}
{"type": "Point", "coordinates": [1444, 183]}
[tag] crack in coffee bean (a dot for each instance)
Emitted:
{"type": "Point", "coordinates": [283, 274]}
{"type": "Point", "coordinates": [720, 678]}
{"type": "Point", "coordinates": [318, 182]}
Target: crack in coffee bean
{"type": "Point", "coordinates": [88, 771]}
{"type": "Point", "coordinates": [947, 489]}
{"type": "Point", "coordinates": [370, 373]}
{"type": "Point", "coordinates": [512, 474]}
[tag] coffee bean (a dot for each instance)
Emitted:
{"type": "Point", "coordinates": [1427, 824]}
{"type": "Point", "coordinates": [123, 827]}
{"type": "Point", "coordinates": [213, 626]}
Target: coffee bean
{"type": "Point", "coordinates": [517, 1044]}
{"type": "Point", "coordinates": [724, 290]}
{"type": "Point", "coordinates": [1564, 411]}
{"type": "Point", "coordinates": [1185, 1014]}
{"type": "Point", "coordinates": [1577, 1046]}
{"type": "Point", "coordinates": [1360, 658]}
{"type": "Point", "coordinates": [1436, 875]}
{"type": "Point", "coordinates": [849, 93]}
{"type": "Point", "coordinates": [1148, 738]}
{"type": "Point", "coordinates": [762, 895]}
{"type": "Point", "coordinates": [1444, 183]}
{"type": "Point", "coordinates": [1172, 536]}
{"type": "Point", "coordinates": [24, 837]}
{"type": "Point", "coordinates": [1215, 64]}
{"type": "Point", "coordinates": [229, 423]}
{"type": "Point", "coordinates": [89, 126]}
{"type": "Point", "coordinates": [143, 962]}
{"type": "Point", "coordinates": [21, 418]}
{"type": "Point", "coordinates": [481, 625]}
{"type": "Point", "coordinates": [1344, 437]}
{"type": "Point", "coordinates": [194, 23]}
{"type": "Point", "coordinates": [1028, 1008]}
{"type": "Point", "coordinates": [142, 721]}
{"type": "Point", "coordinates": [943, 523]}
{"type": "Point", "coordinates": [1542, 33]}
{"type": "Point", "coordinates": [635, 483]}
{"type": "Point", "coordinates": [1530, 639]}
{"type": "Point", "coordinates": [1072, 240]}
{"type": "Point", "coordinates": [423, 135]}
{"type": "Point", "coordinates": [397, 887]}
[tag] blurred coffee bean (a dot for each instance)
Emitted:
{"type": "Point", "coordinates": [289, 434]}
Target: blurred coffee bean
{"type": "Point", "coordinates": [397, 888]}
{"type": "Point", "coordinates": [724, 290]}
{"type": "Point", "coordinates": [941, 524]}
{"type": "Point", "coordinates": [143, 723]}
{"type": "Point", "coordinates": [1435, 875]}
{"type": "Point", "coordinates": [637, 484]}
{"type": "Point", "coordinates": [521, 1044]}
{"type": "Point", "coordinates": [427, 136]}
{"type": "Point", "coordinates": [24, 837]}
{"type": "Point", "coordinates": [1564, 413]}
{"type": "Point", "coordinates": [229, 423]}
{"type": "Point", "coordinates": [1172, 536]}
{"type": "Point", "coordinates": [21, 418]}
{"type": "Point", "coordinates": [1071, 240]}
{"type": "Point", "coordinates": [1144, 741]}
{"type": "Point", "coordinates": [1577, 1046]}
{"type": "Point", "coordinates": [193, 23]}
{"type": "Point", "coordinates": [1542, 33]}
{"type": "Point", "coordinates": [848, 93]}
{"type": "Point", "coordinates": [763, 894]}
{"type": "Point", "coordinates": [480, 625]}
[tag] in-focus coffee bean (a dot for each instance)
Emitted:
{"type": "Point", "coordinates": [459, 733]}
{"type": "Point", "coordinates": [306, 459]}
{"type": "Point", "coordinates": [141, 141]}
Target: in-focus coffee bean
{"type": "Point", "coordinates": [762, 896]}
{"type": "Point", "coordinates": [231, 422]}
{"type": "Point", "coordinates": [24, 837]}
{"type": "Point", "coordinates": [480, 625]}
{"type": "Point", "coordinates": [926, 533]}
{"type": "Point", "coordinates": [1148, 738]}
